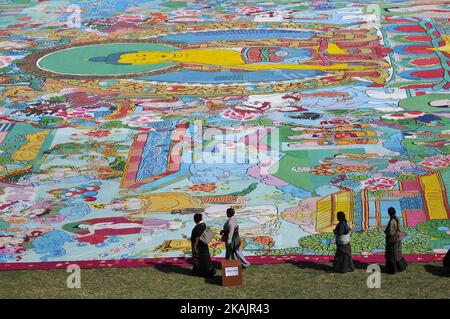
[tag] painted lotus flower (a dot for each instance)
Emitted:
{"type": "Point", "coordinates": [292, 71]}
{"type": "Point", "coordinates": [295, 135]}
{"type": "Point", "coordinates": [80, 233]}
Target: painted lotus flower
{"type": "Point", "coordinates": [378, 183]}
{"type": "Point", "coordinates": [437, 161]}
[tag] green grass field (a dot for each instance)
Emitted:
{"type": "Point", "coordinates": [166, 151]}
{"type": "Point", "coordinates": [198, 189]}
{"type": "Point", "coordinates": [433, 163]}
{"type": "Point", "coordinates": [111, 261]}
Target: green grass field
{"type": "Point", "coordinates": [290, 280]}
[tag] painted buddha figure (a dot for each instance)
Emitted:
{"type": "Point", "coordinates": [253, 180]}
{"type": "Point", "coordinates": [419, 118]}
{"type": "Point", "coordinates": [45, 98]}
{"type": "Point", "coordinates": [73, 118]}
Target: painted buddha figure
{"type": "Point", "coordinates": [155, 203]}
{"type": "Point", "coordinates": [245, 59]}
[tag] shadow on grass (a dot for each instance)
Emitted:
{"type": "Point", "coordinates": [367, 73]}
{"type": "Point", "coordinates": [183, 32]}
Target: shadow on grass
{"type": "Point", "coordinates": [171, 268]}
{"type": "Point", "coordinates": [215, 280]}
{"type": "Point", "coordinates": [325, 267]}
{"type": "Point", "coordinates": [437, 271]}
{"type": "Point", "coordinates": [312, 265]}
{"type": "Point", "coordinates": [363, 266]}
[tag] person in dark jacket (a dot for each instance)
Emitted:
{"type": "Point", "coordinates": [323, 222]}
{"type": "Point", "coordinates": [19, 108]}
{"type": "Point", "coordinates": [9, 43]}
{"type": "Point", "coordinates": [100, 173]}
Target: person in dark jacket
{"type": "Point", "coordinates": [200, 251]}
{"type": "Point", "coordinates": [446, 261]}
{"type": "Point", "coordinates": [393, 251]}
{"type": "Point", "coordinates": [343, 261]}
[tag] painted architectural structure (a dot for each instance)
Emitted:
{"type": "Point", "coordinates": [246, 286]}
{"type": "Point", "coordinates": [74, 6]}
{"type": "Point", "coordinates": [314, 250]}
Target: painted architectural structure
{"type": "Point", "coordinates": [418, 200]}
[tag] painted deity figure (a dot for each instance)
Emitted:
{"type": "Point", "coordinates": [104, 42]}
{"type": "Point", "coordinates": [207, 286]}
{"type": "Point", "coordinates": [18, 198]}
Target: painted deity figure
{"type": "Point", "coordinates": [95, 231]}
{"type": "Point", "coordinates": [155, 203]}
{"type": "Point", "coordinates": [245, 59]}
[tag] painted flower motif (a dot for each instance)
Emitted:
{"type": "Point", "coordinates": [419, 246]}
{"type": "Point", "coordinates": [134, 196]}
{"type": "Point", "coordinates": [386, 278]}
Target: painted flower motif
{"type": "Point", "coordinates": [437, 161]}
{"type": "Point", "coordinates": [240, 115]}
{"type": "Point", "coordinates": [250, 10]}
{"type": "Point", "coordinates": [378, 183]}
{"type": "Point", "coordinates": [98, 133]}
{"type": "Point", "coordinates": [207, 187]}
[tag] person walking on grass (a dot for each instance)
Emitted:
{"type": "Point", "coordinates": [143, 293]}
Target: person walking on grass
{"type": "Point", "coordinates": [230, 235]}
{"type": "Point", "coordinates": [343, 261]}
{"type": "Point", "coordinates": [393, 252]}
{"type": "Point", "coordinates": [446, 260]}
{"type": "Point", "coordinates": [203, 265]}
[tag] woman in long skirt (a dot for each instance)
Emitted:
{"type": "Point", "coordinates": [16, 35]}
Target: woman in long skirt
{"type": "Point", "coordinates": [343, 261]}
{"type": "Point", "coordinates": [230, 235]}
{"type": "Point", "coordinates": [393, 252]}
{"type": "Point", "coordinates": [446, 261]}
{"type": "Point", "coordinates": [200, 251]}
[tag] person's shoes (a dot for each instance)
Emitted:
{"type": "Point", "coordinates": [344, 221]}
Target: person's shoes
{"type": "Point", "coordinates": [246, 266]}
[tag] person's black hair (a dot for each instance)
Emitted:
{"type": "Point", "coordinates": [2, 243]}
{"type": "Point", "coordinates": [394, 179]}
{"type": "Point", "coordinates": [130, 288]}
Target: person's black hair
{"type": "Point", "coordinates": [230, 212]}
{"type": "Point", "coordinates": [198, 218]}
{"type": "Point", "coordinates": [391, 211]}
{"type": "Point", "coordinates": [341, 217]}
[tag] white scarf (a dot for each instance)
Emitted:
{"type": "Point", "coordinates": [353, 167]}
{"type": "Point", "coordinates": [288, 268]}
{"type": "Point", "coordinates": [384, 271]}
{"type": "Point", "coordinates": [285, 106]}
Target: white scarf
{"type": "Point", "coordinates": [344, 239]}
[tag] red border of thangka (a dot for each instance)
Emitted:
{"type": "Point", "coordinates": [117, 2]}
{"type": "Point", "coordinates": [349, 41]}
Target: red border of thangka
{"type": "Point", "coordinates": [183, 261]}
{"type": "Point", "coordinates": [134, 158]}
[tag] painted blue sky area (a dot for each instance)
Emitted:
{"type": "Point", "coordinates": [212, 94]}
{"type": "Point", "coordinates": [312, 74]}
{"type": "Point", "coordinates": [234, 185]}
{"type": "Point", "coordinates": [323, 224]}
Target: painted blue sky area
{"type": "Point", "coordinates": [188, 76]}
{"type": "Point", "coordinates": [231, 35]}
{"type": "Point", "coordinates": [110, 8]}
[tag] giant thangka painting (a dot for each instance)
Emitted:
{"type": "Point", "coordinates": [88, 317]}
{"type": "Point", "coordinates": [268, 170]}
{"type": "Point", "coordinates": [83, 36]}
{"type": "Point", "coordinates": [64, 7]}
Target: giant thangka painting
{"type": "Point", "coordinates": [121, 119]}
